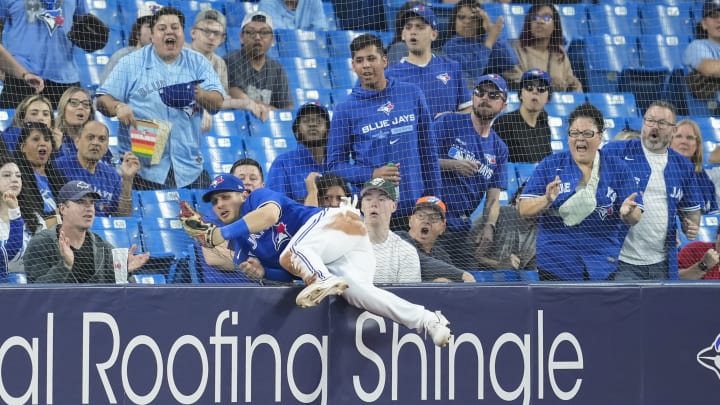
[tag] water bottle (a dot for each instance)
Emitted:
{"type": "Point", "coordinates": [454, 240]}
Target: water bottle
{"type": "Point", "coordinates": [397, 187]}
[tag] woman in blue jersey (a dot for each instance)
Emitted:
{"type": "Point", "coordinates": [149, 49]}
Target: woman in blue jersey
{"type": "Point", "coordinates": [35, 108]}
{"type": "Point", "coordinates": [12, 226]}
{"type": "Point", "coordinates": [585, 200]}
{"type": "Point", "coordinates": [688, 141]}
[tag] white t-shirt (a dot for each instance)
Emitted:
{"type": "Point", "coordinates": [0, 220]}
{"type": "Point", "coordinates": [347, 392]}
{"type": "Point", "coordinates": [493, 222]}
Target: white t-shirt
{"type": "Point", "coordinates": [396, 261]}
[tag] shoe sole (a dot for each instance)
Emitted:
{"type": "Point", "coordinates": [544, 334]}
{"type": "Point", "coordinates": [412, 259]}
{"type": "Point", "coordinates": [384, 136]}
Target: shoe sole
{"type": "Point", "coordinates": [310, 297]}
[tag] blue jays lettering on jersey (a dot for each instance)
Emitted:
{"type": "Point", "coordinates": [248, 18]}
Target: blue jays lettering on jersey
{"type": "Point", "coordinates": [682, 190]}
{"type": "Point", "coordinates": [441, 80]}
{"type": "Point", "coordinates": [594, 244]}
{"type": "Point", "coordinates": [267, 245]}
{"type": "Point", "coordinates": [457, 139]}
{"type": "Point", "coordinates": [372, 128]}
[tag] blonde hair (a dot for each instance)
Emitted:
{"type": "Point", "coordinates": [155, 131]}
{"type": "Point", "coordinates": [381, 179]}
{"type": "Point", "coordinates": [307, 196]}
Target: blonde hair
{"type": "Point", "coordinates": [697, 157]}
{"type": "Point", "coordinates": [21, 110]}
{"type": "Point", "coordinates": [62, 105]}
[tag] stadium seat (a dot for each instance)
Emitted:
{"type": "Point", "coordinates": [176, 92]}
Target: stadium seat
{"type": "Point", "coordinates": [523, 171]}
{"type": "Point", "coordinates": [108, 11]}
{"type": "Point", "coordinates": [278, 124]}
{"type": "Point", "coordinates": [574, 21]}
{"type": "Point", "coordinates": [166, 241]}
{"type": "Point", "coordinates": [265, 149]}
{"type": "Point", "coordinates": [341, 72]}
{"type": "Point", "coordinates": [230, 123]}
{"type": "Point", "coordinates": [329, 10]}
{"type": "Point", "coordinates": [709, 127]}
{"type": "Point", "coordinates": [6, 117]}
{"type": "Point", "coordinates": [514, 17]}
{"type": "Point", "coordinates": [558, 133]}
{"type": "Point", "coordinates": [163, 203]}
{"type": "Point", "coordinates": [301, 44]}
{"type": "Point", "coordinates": [119, 231]}
{"type": "Point", "coordinates": [607, 58]}
{"type": "Point", "coordinates": [307, 73]}
{"type": "Point", "coordinates": [666, 19]}
{"type": "Point", "coordinates": [304, 96]}
{"type": "Point", "coordinates": [614, 105]}
{"type": "Point", "coordinates": [219, 153]}
{"type": "Point", "coordinates": [498, 276]}
{"type": "Point", "coordinates": [609, 19]}
{"type": "Point", "coordinates": [90, 67]}
{"type": "Point", "coordinates": [563, 103]}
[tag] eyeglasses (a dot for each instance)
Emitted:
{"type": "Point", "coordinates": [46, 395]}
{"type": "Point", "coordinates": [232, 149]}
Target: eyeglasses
{"type": "Point", "coordinates": [73, 102]}
{"type": "Point", "coordinates": [493, 95]}
{"type": "Point", "coordinates": [658, 124]}
{"type": "Point", "coordinates": [211, 33]}
{"type": "Point", "coordinates": [253, 33]}
{"type": "Point", "coordinates": [585, 134]}
{"type": "Point", "coordinates": [544, 18]}
{"type": "Point", "coordinates": [532, 87]}
{"type": "Point", "coordinates": [433, 218]}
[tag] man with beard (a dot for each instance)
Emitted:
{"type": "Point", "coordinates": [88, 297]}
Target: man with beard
{"type": "Point", "coordinates": [526, 130]}
{"type": "Point", "coordinates": [115, 190]}
{"type": "Point", "coordinates": [290, 171]}
{"type": "Point", "coordinates": [168, 82]}
{"type": "Point", "coordinates": [473, 160]}
{"type": "Point", "coordinates": [251, 73]}
{"type": "Point", "coordinates": [669, 189]}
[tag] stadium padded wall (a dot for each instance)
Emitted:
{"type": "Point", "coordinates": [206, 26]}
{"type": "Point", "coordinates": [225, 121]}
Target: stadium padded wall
{"type": "Point", "coordinates": [513, 344]}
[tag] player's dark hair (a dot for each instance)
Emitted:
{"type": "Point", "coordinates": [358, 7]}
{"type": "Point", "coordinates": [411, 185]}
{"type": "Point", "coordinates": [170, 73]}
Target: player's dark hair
{"type": "Point", "coordinates": [167, 11]}
{"type": "Point", "coordinates": [588, 110]}
{"type": "Point", "coordinates": [472, 4]}
{"type": "Point", "coordinates": [664, 104]}
{"type": "Point", "coordinates": [248, 162]}
{"type": "Point", "coordinates": [400, 19]}
{"type": "Point", "coordinates": [331, 180]}
{"type": "Point", "coordinates": [363, 41]}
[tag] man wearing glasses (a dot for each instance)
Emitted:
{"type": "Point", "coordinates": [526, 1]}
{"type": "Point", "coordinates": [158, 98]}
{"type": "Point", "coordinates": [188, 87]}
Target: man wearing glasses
{"type": "Point", "coordinates": [669, 189]}
{"type": "Point", "coordinates": [473, 162]}
{"type": "Point", "coordinates": [251, 73]}
{"type": "Point", "coordinates": [526, 130]}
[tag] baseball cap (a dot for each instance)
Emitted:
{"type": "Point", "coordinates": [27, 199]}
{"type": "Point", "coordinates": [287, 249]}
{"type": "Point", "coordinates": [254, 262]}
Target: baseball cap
{"type": "Point", "coordinates": [431, 202]}
{"type": "Point", "coordinates": [382, 185]}
{"type": "Point", "coordinates": [257, 16]}
{"type": "Point", "coordinates": [212, 15]}
{"type": "Point", "coordinates": [223, 182]}
{"type": "Point", "coordinates": [538, 74]}
{"type": "Point", "coordinates": [312, 107]}
{"type": "Point", "coordinates": [75, 190]}
{"type": "Point", "coordinates": [495, 79]}
{"type": "Point", "coordinates": [424, 12]}
{"type": "Point", "coordinates": [710, 6]}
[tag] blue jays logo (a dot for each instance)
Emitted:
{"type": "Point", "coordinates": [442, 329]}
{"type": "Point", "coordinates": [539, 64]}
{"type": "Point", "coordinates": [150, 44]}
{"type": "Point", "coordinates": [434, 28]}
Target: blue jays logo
{"type": "Point", "coordinates": [710, 357]}
{"type": "Point", "coordinates": [386, 108]}
{"type": "Point", "coordinates": [191, 109]}
{"type": "Point", "coordinates": [216, 182]}
{"type": "Point", "coordinates": [52, 19]}
{"type": "Point", "coordinates": [443, 77]}
{"type": "Point", "coordinates": [280, 235]}
{"type": "Point", "coordinates": [490, 159]}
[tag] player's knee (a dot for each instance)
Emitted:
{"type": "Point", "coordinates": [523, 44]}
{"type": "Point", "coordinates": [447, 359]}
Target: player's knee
{"type": "Point", "coordinates": [285, 260]}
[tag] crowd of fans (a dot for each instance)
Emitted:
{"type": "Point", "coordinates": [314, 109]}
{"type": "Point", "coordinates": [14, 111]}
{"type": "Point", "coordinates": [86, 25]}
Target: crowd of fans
{"type": "Point", "coordinates": [422, 139]}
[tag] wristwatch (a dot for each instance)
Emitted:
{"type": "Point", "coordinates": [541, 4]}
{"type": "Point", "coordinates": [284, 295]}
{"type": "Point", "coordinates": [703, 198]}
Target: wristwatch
{"type": "Point", "coordinates": [703, 267]}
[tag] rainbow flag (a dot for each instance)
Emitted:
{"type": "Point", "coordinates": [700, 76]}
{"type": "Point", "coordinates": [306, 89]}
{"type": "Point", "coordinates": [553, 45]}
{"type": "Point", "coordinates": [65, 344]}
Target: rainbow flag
{"type": "Point", "coordinates": [143, 139]}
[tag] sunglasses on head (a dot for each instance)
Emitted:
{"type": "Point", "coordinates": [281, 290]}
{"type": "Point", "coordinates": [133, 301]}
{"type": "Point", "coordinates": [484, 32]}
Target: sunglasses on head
{"type": "Point", "coordinates": [492, 94]}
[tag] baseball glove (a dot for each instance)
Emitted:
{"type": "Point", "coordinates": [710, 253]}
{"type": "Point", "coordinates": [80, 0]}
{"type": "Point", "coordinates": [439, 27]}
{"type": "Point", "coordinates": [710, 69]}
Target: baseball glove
{"type": "Point", "coordinates": [195, 226]}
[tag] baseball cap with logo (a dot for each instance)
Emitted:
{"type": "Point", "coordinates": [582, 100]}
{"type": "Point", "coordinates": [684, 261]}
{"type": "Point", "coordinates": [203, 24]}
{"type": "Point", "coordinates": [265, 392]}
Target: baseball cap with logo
{"type": "Point", "coordinates": [312, 107]}
{"type": "Point", "coordinates": [380, 184]}
{"type": "Point", "coordinates": [710, 7]}
{"type": "Point", "coordinates": [495, 79]}
{"type": "Point", "coordinates": [223, 182]}
{"type": "Point", "coordinates": [537, 74]}
{"type": "Point", "coordinates": [431, 202]}
{"type": "Point", "coordinates": [257, 16]}
{"type": "Point", "coordinates": [424, 12]}
{"type": "Point", "coordinates": [76, 190]}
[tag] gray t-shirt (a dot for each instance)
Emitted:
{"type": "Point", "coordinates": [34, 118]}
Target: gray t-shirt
{"type": "Point", "coordinates": [269, 85]}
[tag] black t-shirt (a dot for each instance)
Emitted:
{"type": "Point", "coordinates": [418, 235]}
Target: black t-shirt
{"type": "Point", "coordinates": [525, 143]}
{"type": "Point", "coordinates": [84, 264]}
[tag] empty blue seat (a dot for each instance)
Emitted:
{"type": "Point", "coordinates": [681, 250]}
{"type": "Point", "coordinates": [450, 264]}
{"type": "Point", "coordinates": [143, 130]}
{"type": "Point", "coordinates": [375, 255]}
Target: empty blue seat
{"type": "Point", "coordinates": [165, 240]}
{"type": "Point", "coordinates": [523, 171]}
{"type": "Point", "coordinates": [278, 124]}
{"type": "Point", "coordinates": [229, 123]}
{"type": "Point", "coordinates": [574, 21]}
{"type": "Point", "coordinates": [307, 73]}
{"type": "Point", "coordinates": [558, 133]}
{"type": "Point", "coordinates": [121, 232]}
{"type": "Point", "coordinates": [163, 203]}
{"type": "Point", "coordinates": [614, 19]}
{"type": "Point", "coordinates": [342, 74]}
{"type": "Point", "coordinates": [329, 10]}
{"type": "Point", "coordinates": [219, 153]}
{"type": "Point", "coordinates": [302, 44]}
{"type": "Point", "coordinates": [709, 127]}
{"type": "Point", "coordinates": [607, 58]}
{"type": "Point", "coordinates": [614, 105]}
{"type": "Point", "coordinates": [513, 102]}
{"type": "Point", "coordinates": [666, 19]}
{"type": "Point", "coordinates": [514, 17]}
{"type": "Point", "coordinates": [265, 149]}
{"type": "Point", "coordinates": [235, 11]}
{"type": "Point", "coordinates": [304, 96]}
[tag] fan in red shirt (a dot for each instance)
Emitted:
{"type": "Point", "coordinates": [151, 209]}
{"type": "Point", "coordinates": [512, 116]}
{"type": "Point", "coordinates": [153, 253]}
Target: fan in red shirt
{"type": "Point", "coordinates": [699, 261]}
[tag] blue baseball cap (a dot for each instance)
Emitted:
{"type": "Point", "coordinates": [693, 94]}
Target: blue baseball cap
{"type": "Point", "coordinates": [76, 190]}
{"type": "Point", "coordinates": [536, 74]}
{"type": "Point", "coordinates": [495, 79]}
{"type": "Point", "coordinates": [424, 12]}
{"type": "Point", "coordinates": [710, 6]}
{"type": "Point", "coordinates": [223, 182]}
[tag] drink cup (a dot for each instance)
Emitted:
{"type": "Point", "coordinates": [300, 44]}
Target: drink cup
{"type": "Point", "coordinates": [120, 267]}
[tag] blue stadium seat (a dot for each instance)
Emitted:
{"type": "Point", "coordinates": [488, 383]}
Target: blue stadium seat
{"type": "Point", "coordinates": [709, 127]}
{"type": "Point", "coordinates": [302, 44]}
{"type": "Point", "coordinates": [235, 11]}
{"type": "Point", "coordinates": [322, 96]}
{"type": "Point", "coordinates": [607, 58]}
{"type": "Point", "coordinates": [667, 20]}
{"type": "Point", "coordinates": [558, 133]}
{"type": "Point", "coordinates": [329, 10]}
{"type": "Point", "coordinates": [609, 19]}
{"type": "Point", "coordinates": [229, 123]}
{"type": "Point", "coordinates": [342, 74]}
{"type": "Point", "coordinates": [265, 149]}
{"type": "Point", "coordinates": [614, 105]}
{"type": "Point", "coordinates": [523, 171]}
{"type": "Point", "coordinates": [307, 73]}
{"type": "Point", "coordinates": [498, 276]}
{"type": "Point", "coordinates": [562, 103]}
{"type": "Point", "coordinates": [574, 21]}
{"type": "Point", "coordinates": [6, 117]}
{"type": "Point", "coordinates": [634, 123]}
{"type": "Point", "coordinates": [108, 11]}
{"type": "Point", "coordinates": [219, 153]}
{"type": "Point", "coordinates": [278, 124]}
{"type": "Point", "coordinates": [166, 241]}
{"type": "Point", "coordinates": [163, 203]}
{"type": "Point", "coordinates": [90, 67]}
{"type": "Point", "coordinates": [513, 102]}
{"type": "Point", "coordinates": [514, 15]}
{"type": "Point", "coordinates": [119, 231]}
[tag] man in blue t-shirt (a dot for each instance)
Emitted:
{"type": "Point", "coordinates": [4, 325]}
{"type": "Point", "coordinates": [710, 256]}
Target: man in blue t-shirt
{"type": "Point", "coordinates": [383, 131]}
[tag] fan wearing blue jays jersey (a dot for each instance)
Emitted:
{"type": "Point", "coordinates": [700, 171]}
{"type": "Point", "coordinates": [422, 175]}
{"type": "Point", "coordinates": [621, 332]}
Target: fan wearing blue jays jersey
{"type": "Point", "coordinates": [383, 129]}
{"type": "Point", "coordinates": [585, 201]}
{"type": "Point", "coordinates": [474, 160]}
{"type": "Point", "coordinates": [441, 79]}
{"type": "Point", "coordinates": [328, 248]}
{"type": "Point", "coordinates": [669, 189]}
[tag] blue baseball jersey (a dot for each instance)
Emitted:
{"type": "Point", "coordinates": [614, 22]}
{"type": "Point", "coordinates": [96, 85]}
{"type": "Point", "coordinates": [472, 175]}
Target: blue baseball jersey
{"type": "Point", "coordinates": [706, 188]}
{"type": "Point", "coordinates": [682, 191]}
{"type": "Point", "coordinates": [457, 139]}
{"type": "Point", "coordinates": [594, 244]}
{"type": "Point", "coordinates": [105, 181]}
{"type": "Point", "coordinates": [289, 170]}
{"type": "Point", "coordinates": [373, 128]}
{"type": "Point", "coordinates": [267, 245]}
{"type": "Point", "coordinates": [441, 80]}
